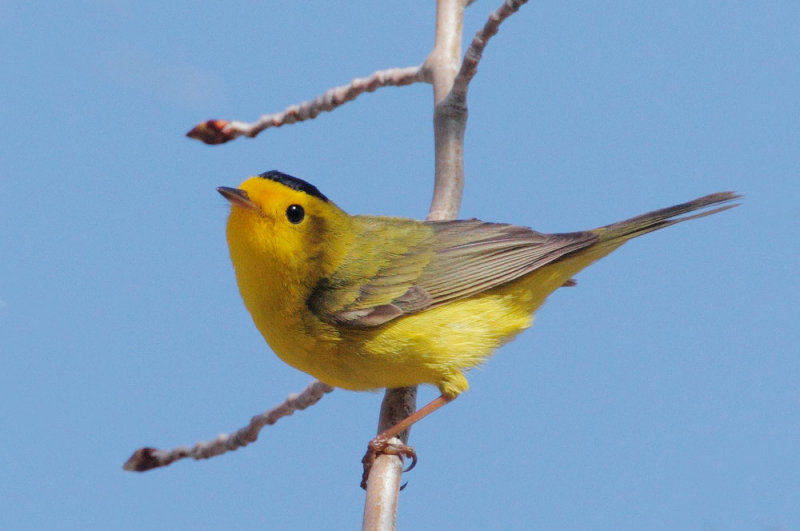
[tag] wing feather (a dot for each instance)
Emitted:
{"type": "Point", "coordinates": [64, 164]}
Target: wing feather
{"type": "Point", "coordinates": [397, 267]}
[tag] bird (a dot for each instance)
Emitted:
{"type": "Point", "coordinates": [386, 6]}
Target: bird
{"type": "Point", "coordinates": [366, 302]}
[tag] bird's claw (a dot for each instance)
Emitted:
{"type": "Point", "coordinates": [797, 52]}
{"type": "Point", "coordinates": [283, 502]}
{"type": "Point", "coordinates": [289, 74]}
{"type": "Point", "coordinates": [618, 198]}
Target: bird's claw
{"type": "Point", "coordinates": [378, 446]}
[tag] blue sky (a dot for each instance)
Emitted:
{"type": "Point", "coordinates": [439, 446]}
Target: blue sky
{"type": "Point", "coordinates": [661, 393]}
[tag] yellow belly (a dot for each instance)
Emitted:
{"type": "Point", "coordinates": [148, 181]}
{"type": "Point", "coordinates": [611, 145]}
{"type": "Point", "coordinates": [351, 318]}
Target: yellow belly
{"type": "Point", "coordinates": [434, 346]}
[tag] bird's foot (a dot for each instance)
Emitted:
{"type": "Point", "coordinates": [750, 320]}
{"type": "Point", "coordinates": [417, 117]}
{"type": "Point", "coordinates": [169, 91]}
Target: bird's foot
{"type": "Point", "coordinates": [381, 445]}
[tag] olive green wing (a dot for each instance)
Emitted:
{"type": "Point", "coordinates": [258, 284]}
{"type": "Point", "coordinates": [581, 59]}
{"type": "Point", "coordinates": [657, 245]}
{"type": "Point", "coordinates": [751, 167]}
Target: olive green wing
{"type": "Point", "coordinates": [374, 283]}
{"type": "Point", "coordinates": [398, 267]}
{"type": "Point", "coordinates": [472, 256]}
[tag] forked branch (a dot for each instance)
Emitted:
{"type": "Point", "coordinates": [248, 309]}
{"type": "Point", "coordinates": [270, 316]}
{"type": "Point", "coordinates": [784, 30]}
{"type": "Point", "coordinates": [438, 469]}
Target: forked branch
{"type": "Point", "coordinates": [469, 66]}
{"type": "Point", "coordinates": [450, 82]}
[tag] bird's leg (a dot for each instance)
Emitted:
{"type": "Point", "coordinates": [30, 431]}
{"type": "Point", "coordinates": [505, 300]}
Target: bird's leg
{"type": "Point", "coordinates": [382, 444]}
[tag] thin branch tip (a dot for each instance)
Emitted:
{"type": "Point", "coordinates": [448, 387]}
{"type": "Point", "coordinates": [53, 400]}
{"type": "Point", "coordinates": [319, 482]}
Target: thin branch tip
{"type": "Point", "coordinates": [213, 132]}
{"type": "Point", "coordinates": [148, 458]}
{"type": "Point", "coordinates": [221, 131]}
{"type": "Point", "coordinates": [472, 57]}
{"type": "Point", "coordinates": [141, 460]}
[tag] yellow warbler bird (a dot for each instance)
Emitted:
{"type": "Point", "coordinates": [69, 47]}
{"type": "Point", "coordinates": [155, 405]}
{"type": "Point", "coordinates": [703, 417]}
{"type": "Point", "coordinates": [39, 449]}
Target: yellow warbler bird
{"type": "Point", "coordinates": [364, 302]}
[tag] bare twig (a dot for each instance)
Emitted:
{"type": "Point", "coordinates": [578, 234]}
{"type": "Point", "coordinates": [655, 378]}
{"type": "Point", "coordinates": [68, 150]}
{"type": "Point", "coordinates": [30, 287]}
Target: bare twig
{"type": "Point", "coordinates": [149, 458]}
{"type": "Point", "coordinates": [441, 66]}
{"type": "Point", "coordinates": [450, 83]}
{"type": "Point", "coordinates": [450, 115]}
{"type": "Point", "coordinates": [469, 66]}
{"type": "Point", "coordinates": [380, 505]}
{"type": "Point", "coordinates": [449, 121]}
{"type": "Point", "coordinates": [220, 131]}
{"type": "Point", "coordinates": [383, 483]}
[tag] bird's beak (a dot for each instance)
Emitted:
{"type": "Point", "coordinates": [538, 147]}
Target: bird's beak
{"type": "Point", "coordinates": [239, 198]}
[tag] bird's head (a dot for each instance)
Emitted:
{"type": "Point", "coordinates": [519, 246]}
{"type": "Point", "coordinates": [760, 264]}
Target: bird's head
{"type": "Point", "coordinates": [282, 222]}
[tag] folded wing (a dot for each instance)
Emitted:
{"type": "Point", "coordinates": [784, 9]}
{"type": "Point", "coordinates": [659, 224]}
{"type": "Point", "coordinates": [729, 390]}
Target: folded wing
{"type": "Point", "coordinates": [398, 267]}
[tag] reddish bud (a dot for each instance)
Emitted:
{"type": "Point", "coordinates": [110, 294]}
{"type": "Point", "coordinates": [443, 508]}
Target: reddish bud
{"type": "Point", "coordinates": [212, 132]}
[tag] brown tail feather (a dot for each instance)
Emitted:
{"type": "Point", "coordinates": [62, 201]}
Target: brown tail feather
{"type": "Point", "coordinates": [658, 219]}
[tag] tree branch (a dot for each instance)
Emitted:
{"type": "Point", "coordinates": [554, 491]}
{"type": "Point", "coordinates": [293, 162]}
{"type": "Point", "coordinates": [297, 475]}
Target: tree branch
{"type": "Point", "coordinates": [469, 66]}
{"type": "Point", "coordinates": [149, 458]}
{"type": "Point", "coordinates": [450, 77]}
{"type": "Point", "coordinates": [441, 66]}
{"type": "Point", "coordinates": [449, 122]}
{"type": "Point", "coordinates": [450, 113]}
{"type": "Point", "coordinates": [221, 131]}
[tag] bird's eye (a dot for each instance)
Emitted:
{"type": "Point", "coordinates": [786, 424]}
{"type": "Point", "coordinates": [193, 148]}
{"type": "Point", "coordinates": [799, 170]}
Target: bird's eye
{"type": "Point", "coordinates": [295, 214]}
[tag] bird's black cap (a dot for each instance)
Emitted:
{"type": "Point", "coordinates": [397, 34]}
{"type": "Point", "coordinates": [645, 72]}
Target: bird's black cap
{"type": "Point", "coordinates": [294, 183]}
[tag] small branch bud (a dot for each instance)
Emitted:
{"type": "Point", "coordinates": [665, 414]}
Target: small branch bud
{"type": "Point", "coordinates": [212, 132]}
